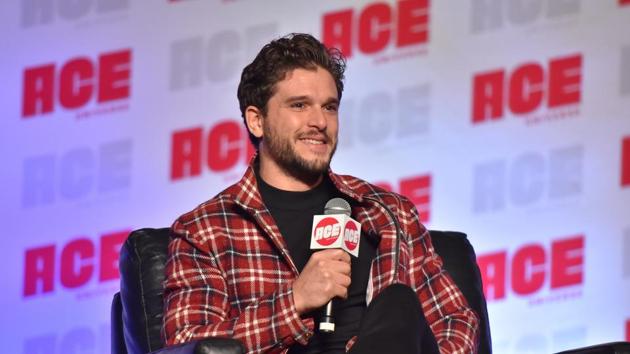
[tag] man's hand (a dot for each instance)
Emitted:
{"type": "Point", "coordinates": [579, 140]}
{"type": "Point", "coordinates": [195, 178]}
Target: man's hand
{"type": "Point", "coordinates": [326, 275]}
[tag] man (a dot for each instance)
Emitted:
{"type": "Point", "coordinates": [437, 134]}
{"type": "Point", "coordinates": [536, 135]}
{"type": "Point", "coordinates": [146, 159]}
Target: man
{"type": "Point", "coordinates": [240, 264]}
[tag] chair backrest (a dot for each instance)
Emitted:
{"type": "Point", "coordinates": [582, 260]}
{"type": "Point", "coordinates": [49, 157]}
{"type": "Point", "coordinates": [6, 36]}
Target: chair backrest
{"type": "Point", "coordinates": [142, 260]}
{"type": "Point", "coordinates": [137, 310]}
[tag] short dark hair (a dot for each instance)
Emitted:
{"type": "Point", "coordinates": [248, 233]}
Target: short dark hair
{"type": "Point", "coordinates": [275, 60]}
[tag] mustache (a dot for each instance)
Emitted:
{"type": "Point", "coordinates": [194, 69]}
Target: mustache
{"type": "Point", "coordinates": [317, 135]}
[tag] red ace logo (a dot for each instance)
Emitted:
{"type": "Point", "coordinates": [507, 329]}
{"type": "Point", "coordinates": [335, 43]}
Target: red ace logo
{"type": "Point", "coordinates": [327, 231]}
{"type": "Point", "coordinates": [351, 236]}
{"type": "Point", "coordinates": [526, 88]}
{"type": "Point", "coordinates": [73, 265]}
{"type": "Point", "coordinates": [218, 149]}
{"type": "Point", "coordinates": [378, 25]}
{"type": "Point", "coordinates": [531, 267]}
{"type": "Point", "coordinates": [628, 327]}
{"type": "Point", "coordinates": [76, 82]}
{"type": "Point", "coordinates": [625, 162]}
{"type": "Point", "coordinates": [624, 2]}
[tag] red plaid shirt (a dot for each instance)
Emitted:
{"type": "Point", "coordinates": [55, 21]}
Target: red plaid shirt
{"type": "Point", "coordinates": [229, 272]}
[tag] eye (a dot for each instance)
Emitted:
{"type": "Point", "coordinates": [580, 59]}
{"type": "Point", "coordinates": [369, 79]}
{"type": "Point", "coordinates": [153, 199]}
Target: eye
{"type": "Point", "coordinates": [333, 107]}
{"type": "Point", "coordinates": [298, 105]}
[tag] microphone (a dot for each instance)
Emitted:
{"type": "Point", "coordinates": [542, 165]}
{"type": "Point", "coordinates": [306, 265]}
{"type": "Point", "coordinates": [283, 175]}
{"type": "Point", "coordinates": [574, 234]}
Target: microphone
{"type": "Point", "coordinates": [335, 229]}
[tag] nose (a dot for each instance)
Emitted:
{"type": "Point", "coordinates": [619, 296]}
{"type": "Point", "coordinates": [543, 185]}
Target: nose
{"type": "Point", "coordinates": [317, 119]}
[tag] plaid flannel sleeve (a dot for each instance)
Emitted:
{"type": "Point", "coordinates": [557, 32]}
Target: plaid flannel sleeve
{"type": "Point", "coordinates": [453, 323]}
{"type": "Point", "coordinates": [197, 304]}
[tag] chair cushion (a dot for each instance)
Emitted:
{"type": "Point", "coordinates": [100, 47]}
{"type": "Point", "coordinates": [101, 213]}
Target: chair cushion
{"type": "Point", "coordinates": [213, 345]}
{"type": "Point", "coordinates": [604, 348]}
{"type": "Point", "coordinates": [458, 257]}
{"type": "Point", "coordinates": [142, 261]}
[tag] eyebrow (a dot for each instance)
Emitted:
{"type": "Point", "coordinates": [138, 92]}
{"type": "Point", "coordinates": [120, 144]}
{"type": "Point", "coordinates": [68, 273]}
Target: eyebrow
{"type": "Point", "coordinates": [308, 98]}
{"type": "Point", "coordinates": [333, 100]}
{"type": "Point", "coordinates": [297, 98]}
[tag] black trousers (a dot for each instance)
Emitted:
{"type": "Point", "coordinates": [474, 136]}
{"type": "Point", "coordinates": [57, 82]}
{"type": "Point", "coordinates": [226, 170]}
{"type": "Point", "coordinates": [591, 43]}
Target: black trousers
{"type": "Point", "coordinates": [394, 323]}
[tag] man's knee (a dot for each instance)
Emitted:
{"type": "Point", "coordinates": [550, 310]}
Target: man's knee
{"type": "Point", "coordinates": [399, 294]}
{"type": "Point", "coordinates": [399, 305]}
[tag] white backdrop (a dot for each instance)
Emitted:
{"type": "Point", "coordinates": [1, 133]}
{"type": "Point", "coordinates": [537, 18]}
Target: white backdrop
{"type": "Point", "coordinates": [121, 114]}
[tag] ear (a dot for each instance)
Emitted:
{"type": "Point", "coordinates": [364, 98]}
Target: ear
{"type": "Point", "coordinates": [254, 117]}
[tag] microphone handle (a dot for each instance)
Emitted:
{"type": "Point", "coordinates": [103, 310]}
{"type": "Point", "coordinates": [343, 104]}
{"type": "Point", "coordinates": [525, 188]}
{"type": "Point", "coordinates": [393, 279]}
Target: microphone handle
{"type": "Point", "coordinates": [327, 323]}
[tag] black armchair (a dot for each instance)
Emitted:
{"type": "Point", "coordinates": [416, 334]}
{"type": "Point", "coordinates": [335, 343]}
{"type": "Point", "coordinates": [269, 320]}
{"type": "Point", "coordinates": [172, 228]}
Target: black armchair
{"type": "Point", "coordinates": [137, 309]}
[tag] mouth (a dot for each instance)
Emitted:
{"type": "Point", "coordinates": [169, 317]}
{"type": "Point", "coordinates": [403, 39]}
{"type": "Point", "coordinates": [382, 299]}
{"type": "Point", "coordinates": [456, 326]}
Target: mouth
{"type": "Point", "coordinates": [314, 139]}
{"type": "Point", "coordinates": [318, 143]}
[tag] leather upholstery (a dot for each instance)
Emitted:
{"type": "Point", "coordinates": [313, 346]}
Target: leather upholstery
{"type": "Point", "coordinates": [606, 348]}
{"type": "Point", "coordinates": [137, 317]}
{"type": "Point", "coordinates": [117, 336]}
{"type": "Point", "coordinates": [206, 346]}
{"type": "Point", "coordinates": [142, 262]}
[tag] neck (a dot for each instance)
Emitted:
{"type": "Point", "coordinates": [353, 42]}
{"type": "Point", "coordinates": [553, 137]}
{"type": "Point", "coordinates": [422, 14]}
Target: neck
{"type": "Point", "coordinates": [277, 177]}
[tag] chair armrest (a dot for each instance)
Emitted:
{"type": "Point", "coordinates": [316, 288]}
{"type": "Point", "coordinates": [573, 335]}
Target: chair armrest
{"type": "Point", "coordinates": [214, 345]}
{"type": "Point", "coordinates": [605, 348]}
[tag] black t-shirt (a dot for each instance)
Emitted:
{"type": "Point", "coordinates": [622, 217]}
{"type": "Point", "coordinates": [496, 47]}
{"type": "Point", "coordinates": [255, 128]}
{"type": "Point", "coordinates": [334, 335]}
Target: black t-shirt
{"type": "Point", "coordinates": [293, 213]}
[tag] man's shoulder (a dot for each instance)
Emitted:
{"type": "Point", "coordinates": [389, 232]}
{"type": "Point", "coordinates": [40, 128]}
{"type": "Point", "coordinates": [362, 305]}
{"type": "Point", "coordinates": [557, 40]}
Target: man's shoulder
{"type": "Point", "coordinates": [214, 208]}
{"type": "Point", "coordinates": [364, 189]}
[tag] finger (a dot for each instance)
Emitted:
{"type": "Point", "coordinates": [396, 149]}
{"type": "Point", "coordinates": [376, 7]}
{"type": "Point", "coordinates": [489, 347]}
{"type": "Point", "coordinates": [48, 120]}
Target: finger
{"type": "Point", "coordinates": [333, 253]}
{"type": "Point", "coordinates": [343, 280]}
{"type": "Point", "coordinates": [340, 255]}
{"type": "Point", "coordinates": [340, 267]}
{"type": "Point", "coordinates": [341, 291]}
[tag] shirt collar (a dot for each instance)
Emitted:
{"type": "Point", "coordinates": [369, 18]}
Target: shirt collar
{"type": "Point", "coordinates": [247, 195]}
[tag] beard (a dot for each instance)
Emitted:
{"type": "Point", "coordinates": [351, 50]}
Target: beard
{"type": "Point", "coordinates": [284, 154]}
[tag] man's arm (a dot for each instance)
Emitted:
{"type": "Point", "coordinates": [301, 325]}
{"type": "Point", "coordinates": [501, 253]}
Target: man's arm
{"type": "Point", "coordinates": [453, 323]}
{"type": "Point", "coordinates": [197, 304]}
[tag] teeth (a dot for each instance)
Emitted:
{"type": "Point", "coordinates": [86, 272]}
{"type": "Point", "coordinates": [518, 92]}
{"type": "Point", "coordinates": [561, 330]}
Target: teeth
{"type": "Point", "coordinates": [311, 141]}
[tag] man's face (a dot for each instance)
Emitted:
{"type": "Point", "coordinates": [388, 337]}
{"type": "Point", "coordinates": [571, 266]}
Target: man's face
{"type": "Point", "coordinates": [300, 128]}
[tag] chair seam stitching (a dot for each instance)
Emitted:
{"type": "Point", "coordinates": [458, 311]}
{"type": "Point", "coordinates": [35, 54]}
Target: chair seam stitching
{"type": "Point", "coordinates": [144, 308]}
